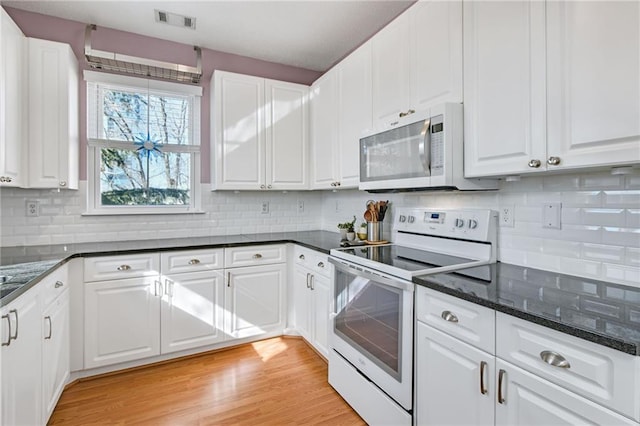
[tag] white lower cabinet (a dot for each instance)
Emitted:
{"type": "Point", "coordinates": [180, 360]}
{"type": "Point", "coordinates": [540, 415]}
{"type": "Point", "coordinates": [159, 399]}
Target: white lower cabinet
{"type": "Point", "coordinates": [55, 352]}
{"type": "Point", "coordinates": [192, 310]}
{"type": "Point", "coordinates": [121, 320]}
{"type": "Point", "coordinates": [21, 360]}
{"type": "Point", "coordinates": [526, 399]}
{"type": "Point", "coordinates": [454, 381]}
{"type": "Point", "coordinates": [255, 300]}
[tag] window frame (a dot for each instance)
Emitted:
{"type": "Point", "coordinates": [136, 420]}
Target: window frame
{"type": "Point", "coordinates": [94, 145]}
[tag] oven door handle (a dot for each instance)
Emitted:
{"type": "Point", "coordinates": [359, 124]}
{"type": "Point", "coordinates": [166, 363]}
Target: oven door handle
{"type": "Point", "coordinates": [373, 276]}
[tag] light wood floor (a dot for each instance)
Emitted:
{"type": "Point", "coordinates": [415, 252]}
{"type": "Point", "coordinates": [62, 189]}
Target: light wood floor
{"type": "Point", "coordinates": [278, 381]}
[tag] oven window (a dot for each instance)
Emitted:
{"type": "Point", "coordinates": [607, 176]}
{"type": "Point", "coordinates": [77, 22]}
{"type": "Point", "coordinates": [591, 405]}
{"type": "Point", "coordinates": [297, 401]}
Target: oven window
{"type": "Point", "coordinates": [369, 319]}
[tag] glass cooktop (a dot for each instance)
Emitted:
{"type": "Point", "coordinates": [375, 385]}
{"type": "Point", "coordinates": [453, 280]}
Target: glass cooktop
{"type": "Point", "coordinates": [404, 258]}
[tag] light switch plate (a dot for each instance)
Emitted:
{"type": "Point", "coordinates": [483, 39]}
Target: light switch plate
{"type": "Point", "coordinates": [551, 214]}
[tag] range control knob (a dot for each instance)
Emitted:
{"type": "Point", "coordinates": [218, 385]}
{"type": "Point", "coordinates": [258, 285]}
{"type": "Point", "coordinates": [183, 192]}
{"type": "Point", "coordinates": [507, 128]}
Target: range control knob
{"type": "Point", "coordinates": [473, 224]}
{"type": "Point", "coordinates": [402, 218]}
{"type": "Point", "coordinates": [459, 223]}
{"type": "Point", "coordinates": [411, 219]}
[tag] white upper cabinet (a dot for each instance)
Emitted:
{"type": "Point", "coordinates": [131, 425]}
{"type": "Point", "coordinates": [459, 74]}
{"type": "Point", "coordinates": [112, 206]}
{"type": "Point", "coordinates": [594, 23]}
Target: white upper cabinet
{"type": "Point", "coordinates": [593, 71]}
{"type": "Point", "coordinates": [53, 115]}
{"type": "Point", "coordinates": [550, 86]}
{"type": "Point", "coordinates": [259, 133]}
{"type": "Point", "coordinates": [340, 113]}
{"type": "Point", "coordinates": [287, 134]}
{"type": "Point", "coordinates": [417, 61]}
{"type": "Point", "coordinates": [12, 101]}
{"type": "Point", "coordinates": [504, 87]}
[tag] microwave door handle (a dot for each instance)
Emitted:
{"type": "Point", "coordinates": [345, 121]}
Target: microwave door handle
{"type": "Point", "coordinates": [425, 147]}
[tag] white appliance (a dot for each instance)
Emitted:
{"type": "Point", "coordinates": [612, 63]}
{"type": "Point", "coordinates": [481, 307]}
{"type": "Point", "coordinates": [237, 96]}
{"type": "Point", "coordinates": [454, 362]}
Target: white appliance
{"type": "Point", "coordinates": [371, 339]}
{"type": "Point", "coordinates": [420, 151]}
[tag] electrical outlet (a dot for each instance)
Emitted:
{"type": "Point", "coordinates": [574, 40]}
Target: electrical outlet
{"type": "Point", "coordinates": [33, 208]}
{"type": "Point", "coordinates": [506, 216]}
{"type": "Point", "coordinates": [300, 206]}
{"type": "Point", "coordinates": [265, 207]}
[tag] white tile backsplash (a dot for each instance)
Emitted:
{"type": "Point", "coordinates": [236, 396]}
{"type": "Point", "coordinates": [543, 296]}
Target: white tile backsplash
{"type": "Point", "coordinates": [599, 237]}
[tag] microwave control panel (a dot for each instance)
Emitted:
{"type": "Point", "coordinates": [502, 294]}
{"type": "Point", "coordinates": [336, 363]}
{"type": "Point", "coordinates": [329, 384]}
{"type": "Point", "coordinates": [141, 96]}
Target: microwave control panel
{"type": "Point", "coordinates": [437, 145]}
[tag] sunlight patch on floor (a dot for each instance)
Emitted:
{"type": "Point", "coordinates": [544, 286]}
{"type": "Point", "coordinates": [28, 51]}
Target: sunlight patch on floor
{"type": "Point", "coordinates": [268, 349]}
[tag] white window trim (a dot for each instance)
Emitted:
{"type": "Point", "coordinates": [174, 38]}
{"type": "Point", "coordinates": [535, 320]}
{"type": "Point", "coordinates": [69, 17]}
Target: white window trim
{"type": "Point", "coordinates": [94, 208]}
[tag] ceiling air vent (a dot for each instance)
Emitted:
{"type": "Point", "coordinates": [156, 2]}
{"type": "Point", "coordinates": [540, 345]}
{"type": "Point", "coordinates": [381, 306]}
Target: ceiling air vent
{"type": "Point", "coordinates": [174, 19]}
{"type": "Point", "coordinates": [109, 61]}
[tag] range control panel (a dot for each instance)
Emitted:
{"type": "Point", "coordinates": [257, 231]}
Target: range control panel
{"type": "Point", "coordinates": [470, 224]}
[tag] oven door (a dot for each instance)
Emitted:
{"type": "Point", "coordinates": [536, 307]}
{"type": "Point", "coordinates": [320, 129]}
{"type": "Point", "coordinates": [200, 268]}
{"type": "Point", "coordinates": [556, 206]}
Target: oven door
{"type": "Point", "coordinates": [372, 328]}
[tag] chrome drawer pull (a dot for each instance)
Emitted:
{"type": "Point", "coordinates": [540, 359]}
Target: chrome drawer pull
{"type": "Point", "coordinates": [449, 316]}
{"type": "Point", "coordinates": [311, 286]}
{"type": "Point", "coordinates": [48, 318]}
{"type": "Point", "coordinates": [308, 274]}
{"type": "Point", "coordinates": [483, 366]}
{"type": "Point", "coordinates": [124, 268]}
{"type": "Point", "coordinates": [15, 312]}
{"type": "Point", "coordinates": [320, 264]}
{"type": "Point", "coordinates": [554, 359]}
{"type": "Point", "coordinates": [501, 398]}
{"type": "Point", "coordinates": [58, 284]}
{"type": "Point", "coordinates": [301, 257]}
{"type": "Point", "coordinates": [8, 342]}
{"type": "Point", "coordinates": [194, 262]}
{"type": "Point", "coordinates": [257, 256]}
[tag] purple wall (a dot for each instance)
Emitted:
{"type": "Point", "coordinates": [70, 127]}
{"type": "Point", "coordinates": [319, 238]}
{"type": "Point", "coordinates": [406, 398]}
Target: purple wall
{"type": "Point", "coordinates": [72, 32]}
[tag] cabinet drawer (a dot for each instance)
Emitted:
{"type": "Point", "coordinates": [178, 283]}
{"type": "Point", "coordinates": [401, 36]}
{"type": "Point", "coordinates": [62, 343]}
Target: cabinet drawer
{"type": "Point", "coordinates": [313, 260]}
{"type": "Point", "coordinates": [254, 255]}
{"type": "Point", "coordinates": [471, 323]}
{"type": "Point", "coordinates": [118, 267]}
{"type": "Point", "coordinates": [174, 262]}
{"type": "Point", "coordinates": [601, 374]}
{"type": "Point", "coordinates": [54, 285]}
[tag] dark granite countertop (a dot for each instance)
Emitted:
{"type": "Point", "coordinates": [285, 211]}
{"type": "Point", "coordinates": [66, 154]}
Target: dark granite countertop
{"type": "Point", "coordinates": [23, 267]}
{"type": "Point", "coordinates": [601, 312]}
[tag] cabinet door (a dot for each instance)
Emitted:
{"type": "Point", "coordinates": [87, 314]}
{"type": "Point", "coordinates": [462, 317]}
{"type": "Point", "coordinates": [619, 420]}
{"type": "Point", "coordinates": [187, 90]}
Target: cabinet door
{"type": "Point", "coordinates": [21, 361]}
{"type": "Point", "coordinates": [390, 72]}
{"type": "Point", "coordinates": [53, 115]}
{"type": "Point", "coordinates": [324, 133]}
{"type": "Point", "coordinates": [435, 58]}
{"type": "Point", "coordinates": [530, 400]}
{"type": "Point", "coordinates": [192, 312]}
{"type": "Point", "coordinates": [255, 300]}
{"type": "Point", "coordinates": [451, 377]}
{"type": "Point", "coordinates": [238, 151]}
{"type": "Point", "coordinates": [55, 352]}
{"type": "Point", "coordinates": [302, 301]}
{"type": "Point", "coordinates": [121, 320]}
{"type": "Point", "coordinates": [12, 101]}
{"type": "Point", "coordinates": [355, 114]}
{"type": "Point", "coordinates": [287, 132]}
{"type": "Point", "coordinates": [504, 87]}
{"type": "Point", "coordinates": [593, 51]}
{"type": "Point", "coordinates": [321, 300]}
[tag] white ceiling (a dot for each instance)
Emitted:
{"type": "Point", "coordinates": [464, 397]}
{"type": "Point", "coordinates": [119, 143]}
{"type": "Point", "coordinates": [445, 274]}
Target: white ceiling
{"type": "Point", "coordinates": [311, 34]}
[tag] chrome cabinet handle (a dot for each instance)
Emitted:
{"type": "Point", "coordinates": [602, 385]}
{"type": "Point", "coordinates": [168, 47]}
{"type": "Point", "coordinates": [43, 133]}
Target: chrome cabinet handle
{"type": "Point", "coordinates": [168, 288]}
{"type": "Point", "coordinates": [320, 264]}
{"type": "Point", "coordinates": [157, 293]}
{"type": "Point", "coordinates": [483, 367]}
{"type": "Point", "coordinates": [48, 318]}
{"type": "Point", "coordinates": [58, 284]}
{"type": "Point", "coordinates": [124, 268]}
{"type": "Point", "coordinates": [554, 359]}
{"type": "Point", "coordinates": [262, 186]}
{"type": "Point", "coordinates": [6, 179]}
{"type": "Point", "coordinates": [308, 285]}
{"type": "Point", "coordinates": [553, 161]}
{"type": "Point", "coordinates": [313, 278]}
{"type": "Point", "coordinates": [501, 398]}
{"type": "Point", "coordinates": [534, 164]}
{"type": "Point", "coordinates": [269, 187]}
{"type": "Point", "coordinates": [63, 183]}
{"type": "Point", "coordinates": [194, 262]}
{"type": "Point", "coordinates": [228, 279]}
{"type": "Point", "coordinates": [301, 257]}
{"type": "Point", "coordinates": [15, 312]}
{"type": "Point", "coordinates": [404, 114]}
{"type": "Point", "coordinates": [338, 184]}
{"type": "Point", "coordinates": [449, 316]}
{"type": "Point", "coordinates": [257, 256]}
{"type": "Point", "coordinates": [8, 342]}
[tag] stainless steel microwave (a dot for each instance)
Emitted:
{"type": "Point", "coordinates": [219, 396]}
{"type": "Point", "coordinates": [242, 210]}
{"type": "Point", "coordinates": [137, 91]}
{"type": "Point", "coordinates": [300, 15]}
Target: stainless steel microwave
{"type": "Point", "coordinates": [421, 151]}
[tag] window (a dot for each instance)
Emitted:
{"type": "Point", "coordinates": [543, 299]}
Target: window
{"type": "Point", "coordinates": [144, 145]}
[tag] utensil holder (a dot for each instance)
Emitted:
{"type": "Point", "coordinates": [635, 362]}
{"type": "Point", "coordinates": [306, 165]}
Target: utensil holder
{"type": "Point", "coordinates": [374, 231]}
